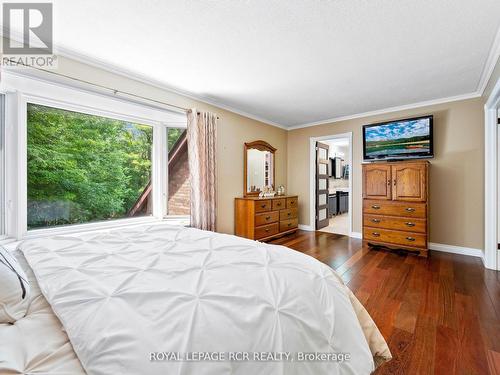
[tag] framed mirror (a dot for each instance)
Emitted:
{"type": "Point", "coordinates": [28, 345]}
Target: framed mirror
{"type": "Point", "coordinates": [259, 167]}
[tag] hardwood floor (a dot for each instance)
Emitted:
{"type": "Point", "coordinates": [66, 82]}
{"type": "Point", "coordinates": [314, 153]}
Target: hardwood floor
{"type": "Point", "coordinates": [439, 315]}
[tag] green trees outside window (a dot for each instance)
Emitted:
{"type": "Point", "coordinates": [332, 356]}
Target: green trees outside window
{"type": "Point", "coordinates": [84, 168]}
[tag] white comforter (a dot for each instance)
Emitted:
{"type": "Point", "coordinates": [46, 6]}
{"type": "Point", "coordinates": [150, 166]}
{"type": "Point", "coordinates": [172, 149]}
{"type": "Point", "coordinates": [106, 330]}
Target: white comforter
{"type": "Point", "coordinates": [126, 295]}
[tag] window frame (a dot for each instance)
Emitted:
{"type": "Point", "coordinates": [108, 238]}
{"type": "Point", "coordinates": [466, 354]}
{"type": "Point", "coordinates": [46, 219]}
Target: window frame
{"type": "Point", "coordinates": [20, 90]}
{"type": "Point", "coordinates": [3, 234]}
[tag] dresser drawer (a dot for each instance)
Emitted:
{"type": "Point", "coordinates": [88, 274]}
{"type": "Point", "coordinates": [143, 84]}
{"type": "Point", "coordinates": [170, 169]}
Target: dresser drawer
{"type": "Point", "coordinates": [292, 202]}
{"type": "Point", "coordinates": [266, 230]}
{"type": "Point", "coordinates": [288, 224]}
{"type": "Point", "coordinates": [407, 209]}
{"type": "Point", "coordinates": [279, 204]}
{"type": "Point", "coordinates": [261, 206]}
{"type": "Point", "coordinates": [395, 237]}
{"type": "Point", "coordinates": [289, 213]}
{"type": "Point", "coordinates": [396, 223]}
{"type": "Point", "coordinates": [266, 218]}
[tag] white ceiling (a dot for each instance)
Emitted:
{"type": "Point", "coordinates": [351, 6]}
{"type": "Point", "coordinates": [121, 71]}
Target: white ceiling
{"type": "Point", "coordinates": [291, 62]}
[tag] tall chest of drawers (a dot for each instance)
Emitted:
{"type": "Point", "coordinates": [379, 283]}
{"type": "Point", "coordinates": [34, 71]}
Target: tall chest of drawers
{"type": "Point", "coordinates": [266, 218]}
{"type": "Point", "coordinates": [395, 205]}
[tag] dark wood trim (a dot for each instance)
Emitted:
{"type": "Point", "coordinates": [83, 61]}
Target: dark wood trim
{"type": "Point", "coordinates": [141, 201]}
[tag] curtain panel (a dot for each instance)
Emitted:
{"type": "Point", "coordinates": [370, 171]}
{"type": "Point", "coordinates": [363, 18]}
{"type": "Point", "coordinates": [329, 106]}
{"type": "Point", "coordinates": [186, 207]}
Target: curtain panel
{"type": "Point", "coordinates": [202, 144]}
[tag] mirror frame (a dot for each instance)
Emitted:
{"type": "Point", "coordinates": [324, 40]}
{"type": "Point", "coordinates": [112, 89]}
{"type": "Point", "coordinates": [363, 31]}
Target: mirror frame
{"type": "Point", "coordinates": [262, 146]}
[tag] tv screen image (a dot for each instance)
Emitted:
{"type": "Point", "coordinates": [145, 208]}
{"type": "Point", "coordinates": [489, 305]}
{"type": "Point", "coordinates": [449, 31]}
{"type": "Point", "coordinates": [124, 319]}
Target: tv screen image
{"type": "Point", "coordinates": [411, 138]}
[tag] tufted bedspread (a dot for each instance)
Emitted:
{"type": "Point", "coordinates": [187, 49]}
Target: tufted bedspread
{"type": "Point", "coordinates": [125, 295]}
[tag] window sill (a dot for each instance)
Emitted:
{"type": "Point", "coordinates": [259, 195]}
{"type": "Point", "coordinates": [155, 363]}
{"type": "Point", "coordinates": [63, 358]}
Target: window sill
{"type": "Point", "coordinates": [102, 226]}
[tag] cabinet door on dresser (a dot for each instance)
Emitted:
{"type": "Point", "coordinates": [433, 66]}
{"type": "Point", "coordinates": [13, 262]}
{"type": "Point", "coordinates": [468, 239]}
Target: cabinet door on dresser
{"type": "Point", "coordinates": [377, 181]}
{"type": "Point", "coordinates": [409, 182]}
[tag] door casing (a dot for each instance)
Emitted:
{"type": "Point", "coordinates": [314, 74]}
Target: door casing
{"type": "Point", "coordinates": [312, 182]}
{"type": "Point", "coordinates": [491, 199]}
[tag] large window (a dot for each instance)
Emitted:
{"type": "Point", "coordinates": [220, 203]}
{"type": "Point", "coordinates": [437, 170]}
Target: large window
{"type": "Point", "coordinates": [84, 168]}
{"type": "Point", "coordinates": [82, 160]}
{"type": "Point", "coordinates": [2, 166]}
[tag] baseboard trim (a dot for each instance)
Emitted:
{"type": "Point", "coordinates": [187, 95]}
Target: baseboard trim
{"type": "Point", "coordinates": [356, 235]}
{"type": "Point", "coordinates": [460, 250]}
{"type": "Point", "coordinates": [308, 228]}
{"type": "Point", "coordinates": [456, 249]}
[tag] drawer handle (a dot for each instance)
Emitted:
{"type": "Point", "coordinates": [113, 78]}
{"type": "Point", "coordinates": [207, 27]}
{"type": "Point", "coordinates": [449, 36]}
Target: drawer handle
{"type": "Point", "coordinates": [376, 220]}
{"type": "Point", "coordinates": [410, 224]}
{"type": "Point", "coordinates": [376, 234]}
{"type": "Point", "coordinates": [268, 217]}
{"type": "Point", "coordinates": [278, 204]}
{"type": "Point", "coordinates": [376, 207]}
{"type": "Point", "coordinates": [263, 206]}
{"type": "Point", "coordinates": [289, 214]}
{"type": "Point", "coordinates": [411, 239]}
{"type": "Point", "coordinates": [388, 182]}
{"type": "Point", "coordinates": [292, 202]}
{"type": "Point", "coordinates": [410, 209]}
{"type": "Point", "coordinates": [289, 224]}
{"type": "Point", "coordinates": [267, 230]}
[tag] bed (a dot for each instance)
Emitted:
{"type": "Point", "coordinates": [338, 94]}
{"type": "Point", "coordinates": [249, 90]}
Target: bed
{"type": "Point", "coordinates": [163, 299]}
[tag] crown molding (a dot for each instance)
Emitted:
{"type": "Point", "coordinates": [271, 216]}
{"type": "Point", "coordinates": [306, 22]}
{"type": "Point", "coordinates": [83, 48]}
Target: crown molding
{"type": "Point", "coordinates": [490, 64]}
{"type": "Point", "coordinates": [111, 68]}
{"type": "Point", "coordinates": [488, 68]}
{"type": "Point", "coordinates": [389, 110]}
{"type": "Point", "coordinates": [148, 81]}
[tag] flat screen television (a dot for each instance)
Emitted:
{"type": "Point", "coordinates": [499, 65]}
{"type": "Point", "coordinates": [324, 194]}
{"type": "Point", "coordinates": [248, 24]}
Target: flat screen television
{"type": "Point", "coordinates": [402, 139]}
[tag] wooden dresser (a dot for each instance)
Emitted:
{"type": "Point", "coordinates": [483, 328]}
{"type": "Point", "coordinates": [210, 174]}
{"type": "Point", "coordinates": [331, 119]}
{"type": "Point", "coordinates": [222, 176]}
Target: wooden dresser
{"type": "Point", "coordinates": [395, 205]}
{"type": "Point", "coordinates": [266, 218]}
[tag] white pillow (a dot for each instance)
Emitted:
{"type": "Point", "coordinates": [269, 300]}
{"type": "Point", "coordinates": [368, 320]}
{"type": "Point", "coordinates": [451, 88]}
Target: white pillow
{"type": "Point", "coordinates": [14, 289]}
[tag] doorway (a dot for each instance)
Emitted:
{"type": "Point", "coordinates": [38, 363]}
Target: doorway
{"type": "Point", "coordinates": [331, 184]}
{"type": "Point", "coordinates": [492, 171]}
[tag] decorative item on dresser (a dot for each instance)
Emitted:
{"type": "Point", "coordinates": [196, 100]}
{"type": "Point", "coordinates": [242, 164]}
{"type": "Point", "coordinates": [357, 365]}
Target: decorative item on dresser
{"type": "Point", "coordinates": [395, 205]}
{"type": "Point", "coordinates": [266, 218]}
